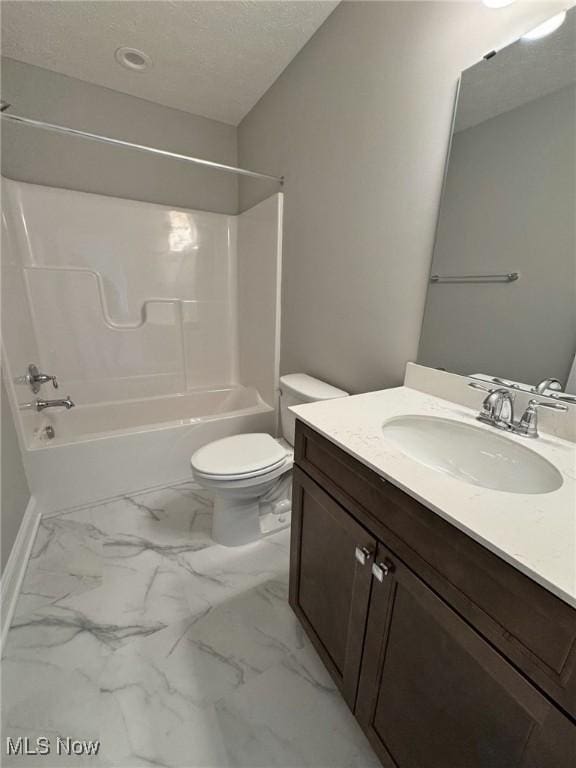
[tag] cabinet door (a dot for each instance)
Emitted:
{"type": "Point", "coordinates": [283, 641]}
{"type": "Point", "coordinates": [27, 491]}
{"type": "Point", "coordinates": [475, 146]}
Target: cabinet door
{"type": "Point", "coordinates": [433, 693]}
{"type": "Point", "coordinates": [330, 580]}
{"type": "Point", "coordinates": [552, 743]}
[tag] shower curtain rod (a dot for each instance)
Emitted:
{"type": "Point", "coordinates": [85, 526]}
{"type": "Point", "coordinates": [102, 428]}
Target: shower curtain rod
{"type": "Point", "coordinates": [138, 147]}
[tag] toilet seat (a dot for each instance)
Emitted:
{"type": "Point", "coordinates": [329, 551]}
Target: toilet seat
{"type": "Point", "coordinates": [236, 483]}
{"type": "Point", "coordinates": [240, 457]}
{"type": "Point", "coordinates": [260, 475]}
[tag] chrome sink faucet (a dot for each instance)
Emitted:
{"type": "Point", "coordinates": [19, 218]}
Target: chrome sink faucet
{"type": "Point", "coordinates": [552, 384]}
{"type": "Point", "coordinates": [497, 407]}
{"type": "Point", "coordinates": [498, 411]}
{"type": "Point", "coordinates": [41, 405]}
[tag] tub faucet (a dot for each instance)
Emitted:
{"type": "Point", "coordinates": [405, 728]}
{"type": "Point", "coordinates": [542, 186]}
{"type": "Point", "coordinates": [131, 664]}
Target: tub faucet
{"type": "Point", "coordinates": [67, 403]}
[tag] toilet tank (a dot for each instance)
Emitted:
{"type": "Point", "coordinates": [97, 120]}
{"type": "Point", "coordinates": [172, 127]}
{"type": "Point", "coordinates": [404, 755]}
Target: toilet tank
{"type": "Point", "coordinates": [297, 389]}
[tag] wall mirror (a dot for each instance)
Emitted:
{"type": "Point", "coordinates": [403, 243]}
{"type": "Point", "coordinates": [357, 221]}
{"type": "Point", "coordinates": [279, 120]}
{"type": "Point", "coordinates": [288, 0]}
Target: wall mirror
{"type": "Point", "coordinates": [502, 294]}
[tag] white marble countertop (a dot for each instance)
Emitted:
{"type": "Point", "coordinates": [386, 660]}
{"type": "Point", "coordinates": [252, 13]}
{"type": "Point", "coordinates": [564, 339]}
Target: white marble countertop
{"type": "Point", "coordinates": [535, 533]}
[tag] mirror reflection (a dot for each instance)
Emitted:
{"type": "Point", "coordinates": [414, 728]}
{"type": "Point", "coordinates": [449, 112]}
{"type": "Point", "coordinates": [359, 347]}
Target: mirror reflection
{"type": "Point", "coordinates": [502, 293]}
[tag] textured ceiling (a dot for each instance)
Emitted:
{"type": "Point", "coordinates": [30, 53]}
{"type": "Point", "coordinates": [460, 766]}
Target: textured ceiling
{"type": "Point", "coordinates": [210, 58]}
{"type": "Point", "coordinates": [519, 73]}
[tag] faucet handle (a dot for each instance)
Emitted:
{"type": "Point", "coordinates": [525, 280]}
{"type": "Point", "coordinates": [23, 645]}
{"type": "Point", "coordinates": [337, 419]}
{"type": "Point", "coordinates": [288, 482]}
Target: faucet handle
{"type": "Point", "coordinates": [552, 384]}
{"type": "Point", "coordinates": [45, 378]}
{"type": "Point", "coordinates": [475, 385]}
{"type": "Point", "coordinates": [528, 425]}
{"type": "Point", "coordinates": [503, 386]}
{"type": "Point", "coordinates": [497, 391]}
{"type": "Point", "coordinates": [552, 406]}
{"type": "Point", "coordinates": [35, 379]}
{"type": "Point", "coordinates": [506, 383]}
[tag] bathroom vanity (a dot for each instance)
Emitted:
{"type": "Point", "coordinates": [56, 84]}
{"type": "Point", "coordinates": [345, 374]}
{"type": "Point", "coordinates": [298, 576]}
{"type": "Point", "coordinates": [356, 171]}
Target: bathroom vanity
{"type": "Point", "coordinates": [445, 612]}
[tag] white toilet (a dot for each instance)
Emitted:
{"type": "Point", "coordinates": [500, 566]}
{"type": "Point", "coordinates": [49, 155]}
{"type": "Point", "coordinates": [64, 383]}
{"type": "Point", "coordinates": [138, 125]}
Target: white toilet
{"type": "Point", "coordinates": [247, 474]}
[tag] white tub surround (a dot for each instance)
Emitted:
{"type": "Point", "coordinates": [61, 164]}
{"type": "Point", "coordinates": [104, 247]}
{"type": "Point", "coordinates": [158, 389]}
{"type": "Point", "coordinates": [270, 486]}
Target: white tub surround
{"type": "Point", "coordinates": [161, 324]}
{"type": "Point", "coordinates": [123, 300]}
{"type": "Point", "coordinates": [123, 293]}
{"type": "Point", "coordinates": [535, 533]}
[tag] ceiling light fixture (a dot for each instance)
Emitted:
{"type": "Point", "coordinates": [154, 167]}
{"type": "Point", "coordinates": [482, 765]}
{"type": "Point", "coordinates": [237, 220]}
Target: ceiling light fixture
{"type": "Point", "coordinates": [497, 3]}
{"type": "Point", "coordinates": [546, 28]}
{"type": "Point", "coordinates": [133, 59]}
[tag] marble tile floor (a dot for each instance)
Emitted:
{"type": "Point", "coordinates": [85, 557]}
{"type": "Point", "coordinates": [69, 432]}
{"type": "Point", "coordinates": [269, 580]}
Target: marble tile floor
{"type": "Point", "coordinates": [134, 628]}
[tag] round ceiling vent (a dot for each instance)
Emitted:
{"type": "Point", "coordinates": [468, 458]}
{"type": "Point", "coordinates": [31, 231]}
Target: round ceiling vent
{"type": "Point", "coordinates": [132, 58]}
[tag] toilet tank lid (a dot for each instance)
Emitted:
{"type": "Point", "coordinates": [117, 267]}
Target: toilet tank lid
{"type": "Point", "coordinates": [308, 388]}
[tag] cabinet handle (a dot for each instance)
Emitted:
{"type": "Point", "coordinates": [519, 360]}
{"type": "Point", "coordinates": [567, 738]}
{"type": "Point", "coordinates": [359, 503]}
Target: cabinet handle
{"type": "Point", "coordinates": [381, 570]}
{"type": "Point", "coordinates": [362, 554]}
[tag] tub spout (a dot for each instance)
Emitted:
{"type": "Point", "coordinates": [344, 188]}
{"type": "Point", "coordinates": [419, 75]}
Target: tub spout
{"type": "Point", "coordinates": [66, 402]}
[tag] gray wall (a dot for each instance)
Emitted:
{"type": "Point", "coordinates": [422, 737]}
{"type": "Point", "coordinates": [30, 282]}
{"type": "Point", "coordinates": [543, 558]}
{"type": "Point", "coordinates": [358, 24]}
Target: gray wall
{"type": "Point", "coordinates": [508, 206]}
{"type": "Point", "coordinates": [359, 123]}
{"type": "Point", "coordinates": [40, 157]}
{"type": "Point", "coordinates": [15, 494]}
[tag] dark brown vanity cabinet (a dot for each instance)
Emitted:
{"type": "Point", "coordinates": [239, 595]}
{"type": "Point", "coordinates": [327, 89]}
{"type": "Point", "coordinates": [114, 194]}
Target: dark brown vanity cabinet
{"type": "Point", "coordinates": [428, 687]}
{"type": "Point", "coordinates": [432, 692]}
{"type": "Point", "coordinates": [330, 584]}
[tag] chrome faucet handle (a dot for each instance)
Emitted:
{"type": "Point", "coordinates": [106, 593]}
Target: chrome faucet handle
{"type": "Point", "coordinates": [496, 380]}
{"type": "Point", "coordinates": [44, 378]}
{"type": "Point", "coordinates": [545, 384]}
{"type": "Point", "coordinates": [528, 424]}
{"type": "Point", "coordinates": [475, 385]}
{"type": "Point", "coordinates": [506, 383]}
{"type": "Point", "coordinates": [552, 406]}
{"type": "Point", "coordinates": [35, 379]}
{"type": "Point", "coordinates": [564, 396]}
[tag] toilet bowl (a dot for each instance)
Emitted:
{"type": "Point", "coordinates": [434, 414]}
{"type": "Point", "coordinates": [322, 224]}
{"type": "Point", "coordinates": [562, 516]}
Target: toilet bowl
{"type": "Point", "coordinates": [248, 475]}
{"type": "Point", "coordinates": [240, 471]}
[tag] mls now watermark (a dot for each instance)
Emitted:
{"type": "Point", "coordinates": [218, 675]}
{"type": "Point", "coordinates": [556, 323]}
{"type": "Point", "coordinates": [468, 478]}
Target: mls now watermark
{"type": "Point", "coordinates": [42, 745]}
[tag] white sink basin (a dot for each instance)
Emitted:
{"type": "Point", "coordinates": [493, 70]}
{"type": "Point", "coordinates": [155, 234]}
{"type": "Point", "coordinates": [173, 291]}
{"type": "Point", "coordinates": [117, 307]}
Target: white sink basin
{"type": "Point", "coordinates": [472, 454]}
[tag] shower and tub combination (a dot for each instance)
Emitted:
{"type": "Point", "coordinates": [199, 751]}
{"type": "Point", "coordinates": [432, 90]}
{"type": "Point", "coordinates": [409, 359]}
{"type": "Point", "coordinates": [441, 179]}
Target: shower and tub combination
{"type": "Point", "coordinates": [161, 325]}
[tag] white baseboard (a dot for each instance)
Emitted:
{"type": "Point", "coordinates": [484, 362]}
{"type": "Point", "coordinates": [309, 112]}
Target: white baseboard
{"type": "Point", "coordinates": [15, 568]}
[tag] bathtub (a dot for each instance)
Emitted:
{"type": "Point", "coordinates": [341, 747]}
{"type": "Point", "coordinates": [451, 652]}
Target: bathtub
{"type": "Point", "coordinates": [104, 450]}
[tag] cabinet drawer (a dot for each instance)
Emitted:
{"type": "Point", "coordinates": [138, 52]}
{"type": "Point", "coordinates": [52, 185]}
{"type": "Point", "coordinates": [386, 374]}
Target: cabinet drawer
{"type": "Point", "coordinates": [531, 626]}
